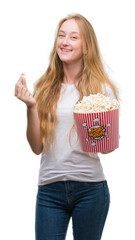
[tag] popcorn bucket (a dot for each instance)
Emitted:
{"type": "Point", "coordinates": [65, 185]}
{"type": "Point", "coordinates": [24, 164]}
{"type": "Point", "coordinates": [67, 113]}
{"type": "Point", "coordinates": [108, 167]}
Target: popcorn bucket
{"type": "Point", "coordinates": [99, 131]}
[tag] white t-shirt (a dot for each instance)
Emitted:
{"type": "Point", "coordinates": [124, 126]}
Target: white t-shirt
{"type": "Point", "coordinates": [67, 161]}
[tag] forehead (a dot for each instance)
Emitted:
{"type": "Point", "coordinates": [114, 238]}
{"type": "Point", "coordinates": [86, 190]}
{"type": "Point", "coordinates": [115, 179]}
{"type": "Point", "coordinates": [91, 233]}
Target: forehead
{"type": "Point", "coordinates": [70, 26]}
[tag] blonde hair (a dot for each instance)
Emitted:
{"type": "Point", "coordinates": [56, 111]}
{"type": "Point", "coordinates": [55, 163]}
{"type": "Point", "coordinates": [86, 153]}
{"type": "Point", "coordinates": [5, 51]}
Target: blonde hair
{"type": "Point", "coordinates": [92, 78]}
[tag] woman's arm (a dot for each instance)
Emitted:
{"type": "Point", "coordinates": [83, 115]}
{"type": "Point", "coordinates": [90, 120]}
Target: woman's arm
{"type": "Point", "coordinates": [33, 123]}
{"type": "Point", "coordinates": [33, 130]}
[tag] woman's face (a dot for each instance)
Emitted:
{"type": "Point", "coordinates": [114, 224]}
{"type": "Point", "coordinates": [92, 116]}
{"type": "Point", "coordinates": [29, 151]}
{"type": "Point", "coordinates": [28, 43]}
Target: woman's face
{"type": "Point", "coordinates": [69, 43]}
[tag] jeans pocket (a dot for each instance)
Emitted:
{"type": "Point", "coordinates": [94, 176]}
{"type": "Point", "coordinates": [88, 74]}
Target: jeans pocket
{"type": "Point", "coordinates": [94, 184]}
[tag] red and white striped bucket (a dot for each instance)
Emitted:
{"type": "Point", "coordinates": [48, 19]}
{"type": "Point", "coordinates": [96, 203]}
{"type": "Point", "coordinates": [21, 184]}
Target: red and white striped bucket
{"type": "Point", "coordinates": [98, 132]}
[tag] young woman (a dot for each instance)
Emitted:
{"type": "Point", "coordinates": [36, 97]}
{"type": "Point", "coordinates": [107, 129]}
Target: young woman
{"type": "Point", "coordinates": [71, 182]}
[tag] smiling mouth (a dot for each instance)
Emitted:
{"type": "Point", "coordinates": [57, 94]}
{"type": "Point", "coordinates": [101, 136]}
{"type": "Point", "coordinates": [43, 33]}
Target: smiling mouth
{"type": "Point", "coordinates": [65, 50]}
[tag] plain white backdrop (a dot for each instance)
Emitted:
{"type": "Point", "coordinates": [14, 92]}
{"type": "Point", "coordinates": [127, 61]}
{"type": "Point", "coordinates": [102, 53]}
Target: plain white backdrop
{"type": "Point", "coordinates": [27, 34]}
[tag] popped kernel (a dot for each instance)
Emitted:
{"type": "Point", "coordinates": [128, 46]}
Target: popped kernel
{"type": "Point", "coordinates": [95, 103]}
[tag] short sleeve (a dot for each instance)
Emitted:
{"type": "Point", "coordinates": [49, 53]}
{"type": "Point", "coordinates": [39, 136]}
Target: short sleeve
{"type": "Point", "coordinates": [110, 92]}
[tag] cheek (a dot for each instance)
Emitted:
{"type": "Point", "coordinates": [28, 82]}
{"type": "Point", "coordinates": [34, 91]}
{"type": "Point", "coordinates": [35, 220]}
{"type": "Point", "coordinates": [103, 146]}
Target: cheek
{"type": "Point", "coordinates": [80, 49]}
{"type": "Point", "coordinates": [58, 44]}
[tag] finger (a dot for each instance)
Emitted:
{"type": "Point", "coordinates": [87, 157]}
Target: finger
{"type": "Point", "coordinates": [24, 82]}
{"type": "Point", "coordinates": [25, 93]}
{"type": "Point", "coordinates": [19, 92]}
{"type": "Point", "coordinates": [21, 78]}
{"type": "Point", "coordinates": [17, 88]}
{"type": "Point", "coordinates": [19, 82]}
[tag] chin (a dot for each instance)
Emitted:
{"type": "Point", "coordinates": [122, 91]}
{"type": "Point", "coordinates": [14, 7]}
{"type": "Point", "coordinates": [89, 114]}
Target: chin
{"type": "Point", "coordinates": [66, 60]}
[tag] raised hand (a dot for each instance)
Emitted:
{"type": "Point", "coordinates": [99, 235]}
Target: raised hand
{"type": "Point", "coordinates": [22, 92]}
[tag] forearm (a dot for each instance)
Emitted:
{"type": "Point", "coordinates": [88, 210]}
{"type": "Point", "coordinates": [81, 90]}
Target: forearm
{"type": "Point", "coordinates": [33, 130]}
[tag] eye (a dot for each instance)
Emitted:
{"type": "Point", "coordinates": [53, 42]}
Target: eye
{"type": "Point", "coordinates": [73, 37]}
{"type": "Point", "coordinates": [61, 35]}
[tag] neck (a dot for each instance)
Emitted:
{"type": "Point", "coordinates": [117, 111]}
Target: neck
{"type": "Point", "coordinates": [71, 72]}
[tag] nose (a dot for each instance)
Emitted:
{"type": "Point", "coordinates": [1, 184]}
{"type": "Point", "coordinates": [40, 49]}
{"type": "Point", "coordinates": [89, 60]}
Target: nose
{"type": "Point", "coordinates": [66, 41]}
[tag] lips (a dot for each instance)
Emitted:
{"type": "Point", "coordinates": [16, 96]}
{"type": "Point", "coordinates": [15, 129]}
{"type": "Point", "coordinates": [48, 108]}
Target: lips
{"type": "Point", "coordinates": [65, 50]}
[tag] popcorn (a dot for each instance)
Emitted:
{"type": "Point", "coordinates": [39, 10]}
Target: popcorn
{"type": "Point", "coordinates": [95, 103]}
{"type": "Point", "coordinates": [97, 125]}
{"type": "Point", "coordinates": [22, 74]}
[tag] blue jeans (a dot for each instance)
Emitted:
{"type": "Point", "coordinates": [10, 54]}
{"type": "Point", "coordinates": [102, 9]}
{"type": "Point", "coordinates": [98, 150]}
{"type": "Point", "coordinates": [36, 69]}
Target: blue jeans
{"type": "Point", "coordinates": [86, 202]}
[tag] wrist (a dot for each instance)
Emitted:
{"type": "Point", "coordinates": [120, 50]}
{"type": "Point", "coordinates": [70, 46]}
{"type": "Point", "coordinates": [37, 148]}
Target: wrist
{"type": "Point", "coordinates": [33, 107]}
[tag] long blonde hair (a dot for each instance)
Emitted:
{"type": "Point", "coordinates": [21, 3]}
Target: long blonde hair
{"type": "Point", "coordinates": [93, 77]}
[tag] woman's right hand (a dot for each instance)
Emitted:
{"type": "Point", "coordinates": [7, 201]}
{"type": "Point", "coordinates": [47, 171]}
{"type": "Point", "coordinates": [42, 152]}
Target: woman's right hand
{"type": "Point", "coordinates": [22, 93]}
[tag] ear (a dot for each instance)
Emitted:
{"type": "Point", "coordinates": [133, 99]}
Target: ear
{"type": "Point", "coordinates": [85, 53]}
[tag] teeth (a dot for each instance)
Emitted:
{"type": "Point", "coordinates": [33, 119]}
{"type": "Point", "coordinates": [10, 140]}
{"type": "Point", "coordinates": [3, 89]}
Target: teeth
{"type": "Point", "coordinates": [64, 50]}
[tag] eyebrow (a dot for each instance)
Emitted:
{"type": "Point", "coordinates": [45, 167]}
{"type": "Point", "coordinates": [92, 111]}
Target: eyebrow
{"type": "Point", "coordinates": [71, 32]}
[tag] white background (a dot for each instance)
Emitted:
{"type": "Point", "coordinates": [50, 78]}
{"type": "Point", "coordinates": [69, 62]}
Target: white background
{"type": "Point", "coordinates": [27, 34]}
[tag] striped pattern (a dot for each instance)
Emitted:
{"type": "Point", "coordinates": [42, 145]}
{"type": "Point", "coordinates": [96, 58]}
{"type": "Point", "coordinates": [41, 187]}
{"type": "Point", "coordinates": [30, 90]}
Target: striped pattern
{"type": "Point", "coordinates": [108, 119]}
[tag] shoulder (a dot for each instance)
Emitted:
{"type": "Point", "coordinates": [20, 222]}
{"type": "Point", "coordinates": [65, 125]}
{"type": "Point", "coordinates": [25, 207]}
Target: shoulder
{"type": "Point", "coordinates": [107, 90]}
